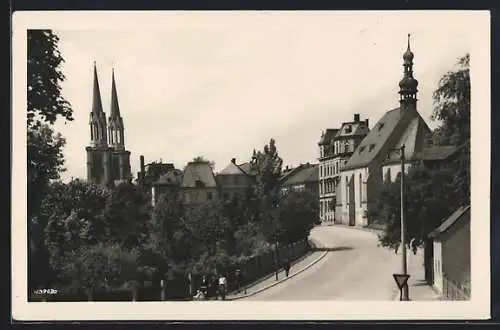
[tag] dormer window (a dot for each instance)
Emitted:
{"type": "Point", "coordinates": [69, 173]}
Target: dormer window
{"type": "Point", "coordinates": [348, 129]}
{"type": "Point", "coordinates": [372, 146]}
{"type": "Point", "coordinates": [199, 184]}
{"type": "Point", "coordinates": [360, 150]}
{"type": "Point", "coordinates": [380, 126]}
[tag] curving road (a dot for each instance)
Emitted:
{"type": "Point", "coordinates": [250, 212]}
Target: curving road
{"type": "Point", "coordinates": [354, 269]}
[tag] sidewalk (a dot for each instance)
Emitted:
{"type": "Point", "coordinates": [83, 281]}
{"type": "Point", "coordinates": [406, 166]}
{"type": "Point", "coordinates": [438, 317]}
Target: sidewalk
{"type": "Point", "coordinates": [270, 280]}
{"type": "Point", "coordinates": [419, 290]}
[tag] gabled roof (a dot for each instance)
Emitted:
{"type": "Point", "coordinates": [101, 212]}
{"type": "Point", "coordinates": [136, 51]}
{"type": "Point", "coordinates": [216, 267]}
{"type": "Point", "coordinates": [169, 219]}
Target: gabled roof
{"type": "Point", "coordinates": [246, 168]}
{"type": "Point", "coordinates": [461, 213]}
{"type": "Point", "coordinates": [415, 138]}
{"type": "Point", "coordinates": [375, 139]}
{"type": "Point", "coordinates": [303, 174]}
{"type": "Point", "coordinates": [197, 173]}
{"type": "Point", "coordinates": [231, 169]}
{"type": "Point", "coordinates": [328, 136]}
{"type": "Point", "coordinates": [438, 153]}
{"type": "Point", "coordinates": [352, 128]}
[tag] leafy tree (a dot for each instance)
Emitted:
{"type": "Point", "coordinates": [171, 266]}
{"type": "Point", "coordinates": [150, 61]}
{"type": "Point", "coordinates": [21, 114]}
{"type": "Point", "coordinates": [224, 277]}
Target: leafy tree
{"type": "Point", "coordinates": [452, 105]}
{"type": "Point", "coordinates": [250, 240]}
{"type": "Point", "coordinates": [452, 109]}
{"type": "Point", "coordinates": [44, 147]}
{"type": "Point", "coordinates": [127, 213]}
{"type": "Point", "coordinates": [75, 218]}
{"type": "Point", "coordinates": [201, 159]}
{"type": "Point", "coordinates": [99, 266]}
{"type": "Point", "coordinates": [429, 199]}
{"type": "Point", "coordinates": [167, 215]}
{"type": "Point", "coordinates": [266, 167]}
{"type": "Point", "coordinates": [45, 100]}
{"type": "Point", "coordinates": [297, 214]}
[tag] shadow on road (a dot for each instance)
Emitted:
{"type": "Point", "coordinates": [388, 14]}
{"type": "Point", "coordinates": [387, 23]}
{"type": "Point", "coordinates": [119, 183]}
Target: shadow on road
{"type": "Point", "coordinates": [333, 249]}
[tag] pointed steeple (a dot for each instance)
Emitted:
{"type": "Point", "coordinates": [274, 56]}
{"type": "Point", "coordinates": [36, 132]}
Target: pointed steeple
{"type": "Point", "coordinates": [408, 85]}
{"type": "Point", "coordinates": [96, 97]}
{"type": "Point", "coordinates": [98, 125]}
{"type": "Point", "coordinates": [115, 108]}
{"type": "Point", "coordinates": [116, 134]}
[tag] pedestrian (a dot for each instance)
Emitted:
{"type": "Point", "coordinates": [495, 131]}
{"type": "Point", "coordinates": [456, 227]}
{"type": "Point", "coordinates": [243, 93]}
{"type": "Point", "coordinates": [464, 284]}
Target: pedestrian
{"type": "Point", "coordinates": [413, 245]}
{"type": "Point", "coordinates": [204, 285]}
{"type": "Point", "coordinates": [199, 295]}
{"type": "Point", "coordinates": [237, 275]}
{"type": "Point", "coordinates": [222, 286]}
{"type": "Point", "coordinates": [286, 267]}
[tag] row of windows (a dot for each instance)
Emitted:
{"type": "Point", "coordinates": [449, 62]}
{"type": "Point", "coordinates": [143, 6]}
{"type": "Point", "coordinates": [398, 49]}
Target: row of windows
{"type": "Point", "coordinates": [327, 187]}
{"type": "Point", "coordinates": [337, 147]}
{"type": "Point", "coordinates": [198, 197]}
{"type": "Point", "coordinates": [329, 169]}
{"type": "Point", "coordinates": [326, 207]}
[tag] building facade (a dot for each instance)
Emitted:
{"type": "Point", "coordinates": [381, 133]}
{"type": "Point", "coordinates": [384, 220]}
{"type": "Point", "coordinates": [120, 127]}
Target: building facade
{"type": "Point", "coordinates": [234, 181]}
{"type": "Point", "coordinates": [108, 162]}
{"type": "Point", "coordinates": [198, 184]}
{"type": "Point", "coordinates": [304, 177]}
{"type": "Point", "coordinates": [335, 147]}
{"type": "Point", "coordinates": [448, 256]}
{"type": "Point", "coordinates": [376, 157]}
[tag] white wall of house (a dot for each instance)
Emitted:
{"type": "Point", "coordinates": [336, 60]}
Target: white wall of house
{"type": "Point", "coordinates": [354, 195]}
{"type": "Point", "coordinates": [438, 266]}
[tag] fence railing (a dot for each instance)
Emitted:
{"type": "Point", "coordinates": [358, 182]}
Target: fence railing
{"type": "Point", "coordinates": [180, 288]}
{"type": "Point", "coordinates": [454, 291]}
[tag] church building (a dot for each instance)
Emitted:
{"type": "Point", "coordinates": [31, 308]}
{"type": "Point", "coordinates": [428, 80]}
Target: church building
{"type": "Point", "coordinates": [108, 162]}
{"type": "Point", "coordinates": [376, 157]}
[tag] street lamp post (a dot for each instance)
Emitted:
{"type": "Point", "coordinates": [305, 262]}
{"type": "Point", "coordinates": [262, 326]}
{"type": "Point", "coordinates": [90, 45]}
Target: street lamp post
{"type": "Point", "coordinates": [404, 264]}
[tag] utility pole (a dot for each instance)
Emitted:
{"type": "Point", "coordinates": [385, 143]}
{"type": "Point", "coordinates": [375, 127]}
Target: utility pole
{"type": "Point", "coordinates": [405, 296]}
{"type": "Point", "coordinates": [404, 264]}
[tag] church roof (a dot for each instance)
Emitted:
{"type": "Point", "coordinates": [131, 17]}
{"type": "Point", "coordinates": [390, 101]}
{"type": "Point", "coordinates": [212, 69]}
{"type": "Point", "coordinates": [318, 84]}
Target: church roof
{"type": "Point", "coordinates": [375, 139]}
{"type": "Point", "coordinates": [303, 174]}
{"type": "Point", "coordinates": [197, 173]}
{"type": "Point", "coordinates": [415, 138]}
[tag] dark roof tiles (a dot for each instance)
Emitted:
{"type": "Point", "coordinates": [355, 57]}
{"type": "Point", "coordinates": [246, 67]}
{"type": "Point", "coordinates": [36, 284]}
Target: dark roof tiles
{"type": "Point", "coordinates": [198, 172]}
{"type": "Point", "coordinates": [303, 174]}
{"type": "Point", "coordinates": [459, 214]}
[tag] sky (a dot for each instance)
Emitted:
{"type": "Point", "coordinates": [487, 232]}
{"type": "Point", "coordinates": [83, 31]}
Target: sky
{"type": "Point", "coordinates": [220, 85]}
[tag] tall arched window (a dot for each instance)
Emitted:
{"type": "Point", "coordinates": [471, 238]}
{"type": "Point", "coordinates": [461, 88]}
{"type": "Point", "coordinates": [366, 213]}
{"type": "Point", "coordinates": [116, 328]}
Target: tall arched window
{"type": "Point", "coordinates": [91, 131]}
{"type": "Point", "coordinates": [346, 190]}
{"type": "Point", "coordinates": [360, 189]}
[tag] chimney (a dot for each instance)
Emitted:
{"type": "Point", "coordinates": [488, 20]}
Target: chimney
{"type": "Point", "coordinates": [356, 117]}
{"type": "Point", "coordinates": [233, 160]}
{"type": "Point", "coordinates": [366, 121]}
{"type": "Point", "coordinates": [142, 163]}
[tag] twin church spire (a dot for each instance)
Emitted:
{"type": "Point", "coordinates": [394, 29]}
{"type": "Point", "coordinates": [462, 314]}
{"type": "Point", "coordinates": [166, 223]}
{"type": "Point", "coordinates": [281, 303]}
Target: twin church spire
{"type": "Point", "coordinates": [104, 133]}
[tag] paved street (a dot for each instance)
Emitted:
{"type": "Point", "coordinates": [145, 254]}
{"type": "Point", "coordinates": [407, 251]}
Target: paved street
{"type": "Point", "coordinates": [354, 269]}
